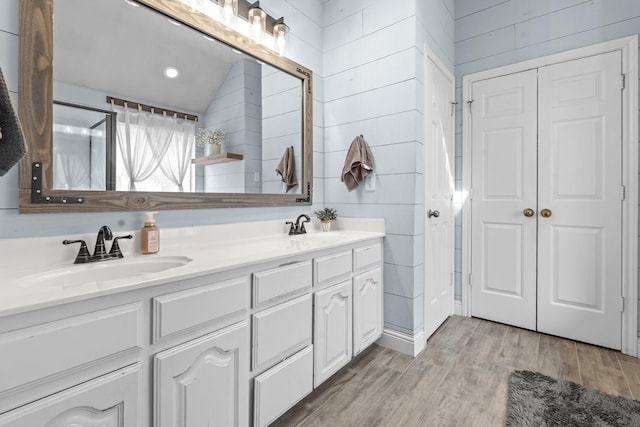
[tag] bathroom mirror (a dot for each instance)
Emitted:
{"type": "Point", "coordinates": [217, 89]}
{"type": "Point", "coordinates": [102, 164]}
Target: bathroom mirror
{"type": "Point", "coordinates": [76, 161]}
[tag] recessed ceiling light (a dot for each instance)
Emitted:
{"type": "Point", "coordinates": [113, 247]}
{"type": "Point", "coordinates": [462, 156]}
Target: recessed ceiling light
{"type": "Point", "coordinates": [211, 39]}
{"type": "Point", "coordinates": [236, 51]}
{"type": "Point", "coordinates": [171, 72]}
{"type": "Point", "coordinates": [132, 3]}
{"type": "Point", "coordinates": [176, 23]}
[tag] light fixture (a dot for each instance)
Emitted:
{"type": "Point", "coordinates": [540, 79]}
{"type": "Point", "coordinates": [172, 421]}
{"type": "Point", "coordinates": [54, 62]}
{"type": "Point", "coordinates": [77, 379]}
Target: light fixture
{"type": "Point", "coordinates": [257, 21]}
{"type": "Point", "coordinates": [171, 72]}
{"type": "Point", "coordinates": [229, 10]}
{"type": "Point", "coordinates": [280, 31]}
{"type": "Point", "coordinates": [132, 3]}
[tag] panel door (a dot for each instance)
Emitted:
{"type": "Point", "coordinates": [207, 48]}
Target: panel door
{"type": "Point", "coordinates": [439, 188]}
{"type": "Point", "coordinates": [579, 181]}
{"type": "Point", "coordinates": [204, 382]}
{"type": "Point", "coordinates": [503, 252]}
{"type": "Point", "coordinates": [112, 400]}
{"type": "Point", "coordinates": [367, 309]}
{"type": "Point", "coordinates": [332, 345]}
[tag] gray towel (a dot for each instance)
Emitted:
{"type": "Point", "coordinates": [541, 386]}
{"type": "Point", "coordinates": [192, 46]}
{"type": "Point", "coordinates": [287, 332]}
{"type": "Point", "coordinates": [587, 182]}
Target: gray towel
{"type": "Point", "coordinates": [12, 144]}
{"type": "Point", "coordinates": [287, 169]}
{"type": "Point", "coordinates": [358, 163]}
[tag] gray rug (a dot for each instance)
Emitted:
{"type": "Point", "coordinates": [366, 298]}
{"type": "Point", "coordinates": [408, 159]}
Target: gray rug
{"type": "Point", "coordinates": [537, 400]}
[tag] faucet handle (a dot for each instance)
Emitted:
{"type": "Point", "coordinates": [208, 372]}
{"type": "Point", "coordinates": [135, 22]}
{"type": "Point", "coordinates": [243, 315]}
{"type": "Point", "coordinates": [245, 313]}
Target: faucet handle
{"type": "Point", "coordinates": [115, 251]}
{"type": "Point", "coordinates": [292, 229]}
{"type": "Point", "coordinates": [83, 254]}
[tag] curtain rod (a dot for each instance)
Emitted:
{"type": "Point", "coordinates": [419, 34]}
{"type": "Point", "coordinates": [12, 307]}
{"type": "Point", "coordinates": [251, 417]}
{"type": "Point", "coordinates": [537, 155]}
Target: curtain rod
{"type": "Point", "coordinates": [150, 108]}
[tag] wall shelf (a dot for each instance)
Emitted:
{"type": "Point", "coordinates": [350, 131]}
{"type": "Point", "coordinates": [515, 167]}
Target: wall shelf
{"type": "Point", "coordinates": [217, 158]}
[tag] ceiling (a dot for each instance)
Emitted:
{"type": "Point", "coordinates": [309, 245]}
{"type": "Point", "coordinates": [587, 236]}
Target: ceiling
{"type": "Point", "coordinates": [123, 50]}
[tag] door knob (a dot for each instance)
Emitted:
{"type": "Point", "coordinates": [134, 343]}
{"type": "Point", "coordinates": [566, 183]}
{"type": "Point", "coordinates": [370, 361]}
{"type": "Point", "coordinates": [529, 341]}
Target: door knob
{"type": "Point", "coordinates": [529, 212]}
{"type": "Point", "coordinates": [545, 213]}
{"type": "Point", "coordinates": [431, 213]}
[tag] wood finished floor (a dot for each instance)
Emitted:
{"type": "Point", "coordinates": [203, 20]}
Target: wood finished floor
{"type": "Point", "coordinates": [460, 379]}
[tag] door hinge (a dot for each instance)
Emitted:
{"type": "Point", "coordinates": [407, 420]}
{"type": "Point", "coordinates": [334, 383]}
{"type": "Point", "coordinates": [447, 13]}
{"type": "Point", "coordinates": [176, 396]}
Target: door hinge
{"type": "Point", "coordinates": [622, 304]}
{"type": "Point", "coordinates": [469, 279]}
{"type": "Point", "coordinates": [469, 104]}
{"type": "Point", "coordinates": [624, 81]}
{"type": "Point", "coordinates": [623, 192]}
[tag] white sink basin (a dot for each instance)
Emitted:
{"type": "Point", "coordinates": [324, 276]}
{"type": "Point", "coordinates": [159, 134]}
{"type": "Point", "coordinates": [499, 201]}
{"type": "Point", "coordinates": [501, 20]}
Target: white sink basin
{"type": "Point", "coordinates": [104, 273]}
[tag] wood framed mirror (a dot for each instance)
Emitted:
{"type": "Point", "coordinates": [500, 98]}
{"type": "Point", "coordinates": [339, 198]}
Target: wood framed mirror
{"type": "Point", "coordinates": [40, 190]}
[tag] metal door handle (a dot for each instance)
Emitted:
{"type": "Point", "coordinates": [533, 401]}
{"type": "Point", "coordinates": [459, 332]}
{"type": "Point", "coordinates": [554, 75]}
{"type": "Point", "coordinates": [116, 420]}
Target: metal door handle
{"type": "Point", "coordinates": [431, 213]}
{"type": "Point", "coordinates": [529, 212]}
{"type": "Point", "coordinates": [545, 213]}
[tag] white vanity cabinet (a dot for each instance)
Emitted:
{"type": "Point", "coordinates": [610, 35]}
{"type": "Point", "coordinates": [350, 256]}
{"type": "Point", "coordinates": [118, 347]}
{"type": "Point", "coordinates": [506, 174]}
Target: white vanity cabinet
{"type": "Point", "coordinates": [367, 296]}
{"type": "Point", "coordinates": [333, 330]}
{"type": "Point", "coordinates": [112, 400]}
{"type": "Point", "coordinates": [348, 315]}
{"type": "Point", "coordinates": [204, 382]}
{"type": "Point", "coordinates": [281, 339]}
{"type": "Point", "coordinates": [235, 346]}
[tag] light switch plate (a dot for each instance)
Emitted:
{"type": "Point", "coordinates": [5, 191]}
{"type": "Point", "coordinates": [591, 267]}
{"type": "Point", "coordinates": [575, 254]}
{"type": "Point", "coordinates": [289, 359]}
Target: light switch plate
{"type": "Point", "coordinates": [370, 182]}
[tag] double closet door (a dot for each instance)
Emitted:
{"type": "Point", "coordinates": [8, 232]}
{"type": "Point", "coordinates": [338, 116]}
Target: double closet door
{"type": "Point", "coordinates": [547, 199]}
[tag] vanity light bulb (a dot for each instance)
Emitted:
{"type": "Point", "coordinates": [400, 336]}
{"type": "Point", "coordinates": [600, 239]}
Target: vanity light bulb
{"type": "Point", "coordinates": [229, 10]}
{"type": "Point", "coordinates": [280, 30]}
{"type": "Point", "coordinates": [257, 21]}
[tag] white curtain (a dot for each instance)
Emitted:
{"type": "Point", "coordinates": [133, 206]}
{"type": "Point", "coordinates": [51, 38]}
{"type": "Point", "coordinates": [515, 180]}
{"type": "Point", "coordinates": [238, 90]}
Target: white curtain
{"type": "Point", "coordinates": [176, 163]}
{"type": "Point", "coordinates": [70, 173]}
{"type": "Point", "coordinates": [143, 139]}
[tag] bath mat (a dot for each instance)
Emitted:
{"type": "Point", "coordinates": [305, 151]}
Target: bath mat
{"type": "Point", "coordinates": [537, 400]}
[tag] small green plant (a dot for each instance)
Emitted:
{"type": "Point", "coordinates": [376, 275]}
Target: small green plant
{"type": "Point", "coordinates": [327, 214]}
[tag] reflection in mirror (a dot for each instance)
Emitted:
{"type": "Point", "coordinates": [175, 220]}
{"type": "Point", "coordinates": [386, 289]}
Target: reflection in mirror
{"type": "Point", "coordinates": [243, 113]}
{"type": "Point", "coordinates": [81, 158]}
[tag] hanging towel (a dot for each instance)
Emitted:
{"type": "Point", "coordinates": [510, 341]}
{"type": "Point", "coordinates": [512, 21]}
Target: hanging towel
{"type": "Point", "coordinates": [358, 163]}
{"type": "Point", "coordinates": [12, 144]}
{"type": "Point", "coordinates": [287, 170]}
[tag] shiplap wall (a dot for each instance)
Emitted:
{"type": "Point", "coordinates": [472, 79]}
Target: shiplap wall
{"type": "Point", "coordinates": [373, 85]}
{"type": "Point", "coordinates": [493, 33]}
{"type": "Point", "coordinates": [305, 19]}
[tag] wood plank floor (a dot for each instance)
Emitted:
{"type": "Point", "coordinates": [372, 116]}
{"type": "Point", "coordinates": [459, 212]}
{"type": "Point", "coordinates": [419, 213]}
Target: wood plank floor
{"type": "Point", "coordinates": [460, 379]}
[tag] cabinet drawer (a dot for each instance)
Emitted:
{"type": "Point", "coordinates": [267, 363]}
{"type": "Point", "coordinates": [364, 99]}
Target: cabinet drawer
{"type": "Point", "coordinates": [289, 279]}
{"type": "Point", "coordinates": [181, 310]}
{"type": "Point", "coordinates": [109, 400]}
{"type": "Point", "coordinates": [281, 331]}
{"type": "Point", "coordinates": [367, 257]}
{"type": "Point", "coordinates": [40, 351]}
{"type": "Point", "coordinates": [282, 386]}
{"type": "Point", "coordinates": [332, 268]}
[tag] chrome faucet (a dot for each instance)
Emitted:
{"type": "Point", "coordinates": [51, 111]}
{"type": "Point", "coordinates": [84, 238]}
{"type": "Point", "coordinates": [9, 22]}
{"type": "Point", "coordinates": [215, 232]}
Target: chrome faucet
{"type": "Point", "coordinates": [298, 228]}
{"type": "Point", "coordinates": [100, 250]}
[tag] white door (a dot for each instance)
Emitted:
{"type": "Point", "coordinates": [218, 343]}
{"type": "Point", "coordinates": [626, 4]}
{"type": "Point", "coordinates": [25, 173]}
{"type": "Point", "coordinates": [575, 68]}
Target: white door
{"type": "Point", "coordinates": [439, 188]}
{"type": "Point", "coordinates": [579, 183]}
{"type": "Point", "coordinates": [547, 199]}
{"type": "Point", "coordinates": [503, 251]}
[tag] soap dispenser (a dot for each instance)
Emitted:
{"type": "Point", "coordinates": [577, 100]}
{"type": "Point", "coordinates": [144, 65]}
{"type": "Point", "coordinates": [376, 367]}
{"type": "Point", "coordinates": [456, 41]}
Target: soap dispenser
{"type": "Point", "coordinates": [149, 236]}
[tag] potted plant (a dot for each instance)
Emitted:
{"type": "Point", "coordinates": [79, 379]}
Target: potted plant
{"type": "Point", "coordinates": [211, 139]}
{"type": "Point", "coordinates": [326, 217]}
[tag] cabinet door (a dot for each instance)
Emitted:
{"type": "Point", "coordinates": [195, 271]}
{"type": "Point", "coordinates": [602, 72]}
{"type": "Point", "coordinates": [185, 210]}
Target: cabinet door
{"type": "Point", "coordinates": [204, 382]}
{"type": "Point", "coordinates": [367, 309]}
{"type": "Point", "coordinates": [112, 400]}
{"type": "Point", "coordinates": [332, 330]}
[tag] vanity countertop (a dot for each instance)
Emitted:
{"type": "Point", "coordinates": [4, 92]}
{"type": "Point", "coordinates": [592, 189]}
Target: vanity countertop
{"type": "Point", "coordinates": [211, 249]}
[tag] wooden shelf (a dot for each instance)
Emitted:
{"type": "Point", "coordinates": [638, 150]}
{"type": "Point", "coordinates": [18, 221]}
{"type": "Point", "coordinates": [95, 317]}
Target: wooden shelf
{"type": "Point", "coordinates": [217, 158]}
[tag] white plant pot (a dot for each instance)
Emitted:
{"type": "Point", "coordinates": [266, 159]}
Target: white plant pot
{"type": "Point", "coordinates": [326, 225]}
{"type": "Point", "coordinates": [212, 149]}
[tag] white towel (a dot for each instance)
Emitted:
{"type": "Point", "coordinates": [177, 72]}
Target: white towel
{"type": "Point", "coordinates": [358, 163]}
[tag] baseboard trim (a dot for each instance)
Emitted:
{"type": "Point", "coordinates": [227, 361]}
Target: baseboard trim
{"type": "Point", "coordinates": [457, 307]}
{"type": "Point", "coordinates": [404, 343]}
